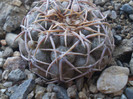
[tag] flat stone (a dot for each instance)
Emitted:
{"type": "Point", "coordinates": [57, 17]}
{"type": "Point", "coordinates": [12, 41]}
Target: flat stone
{"type": "Point", "coordinates": [13, 63]}
{"type": "Point", "coordinates": [113, 79]}
{"type": "Point", "coordinates": [16, 75]}
{"type": "Point", "coordinates": [23, 89]}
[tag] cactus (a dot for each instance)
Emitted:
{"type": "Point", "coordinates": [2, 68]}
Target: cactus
{"type": "Point", "coordinates": [64, 40]}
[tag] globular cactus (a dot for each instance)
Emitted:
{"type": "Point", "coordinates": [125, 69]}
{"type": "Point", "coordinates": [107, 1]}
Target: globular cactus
{"type": "Point", "coordinates": [65, 39]}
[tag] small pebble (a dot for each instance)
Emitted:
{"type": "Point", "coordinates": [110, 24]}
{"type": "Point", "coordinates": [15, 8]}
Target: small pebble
{"type": "Point", "coordinates": [129, 92]}
{"type": "Point", "coordinates": [118, 39]}
{"type": "Point", "coordinates": [13, 63]}
{"type": "Point", "coordinates": [123, 96]}
{"type": "Point", "coordinates": [113, 15]}
{"type": "Point", "coordinates": [10, 39]}
{"type": "Point", "coordinates": [127, 9]}
{"type": "Point", "coordinates": [82, 95]}
{"type": "Point", "coordinates": [93, 88]}
{"type": "Point", "coordinates": [1, 62]}
{"type": "Point", "coordinates": [31, 95]}
{"type": "Point", "coordinates": [12, 89]}
{"type": "Point", "coordinates": [71, 91]}
{"type": "Point", "coordinates": [7, 52]}
{"type": "Point", "coordinates": [16, 3]}
{"type": "Point", "coordinates": [7, 84]}
{"type": "Point", "coordinates": [16, 75]}
{"type": "Point", "coordinates": [50, 96]}
{"type": "Point", "coordinates": [5, 74]}
{"type": "Point", "coordinates": [39, 91]}
{"type": "Point", "coordinates": [131, 16]}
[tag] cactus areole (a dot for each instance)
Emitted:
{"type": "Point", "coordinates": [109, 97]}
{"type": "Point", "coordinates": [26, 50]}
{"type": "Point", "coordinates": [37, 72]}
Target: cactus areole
{"type": "Point", "coordinates": [64, 40]}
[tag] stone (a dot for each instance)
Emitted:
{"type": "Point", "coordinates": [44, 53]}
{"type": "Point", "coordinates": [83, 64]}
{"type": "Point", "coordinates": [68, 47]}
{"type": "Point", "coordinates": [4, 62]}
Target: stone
{"type": "Point", "coordinates": [61, 93]}
{"type": "Point", "coordinates": [16, 2]}
{"type": "Point", "coordinates": [123, 96]}
{"type": "Point", "coordinates": [39, 91]}
{"type": "Point", "coordinates": [113, 14]}
{"type": "Point", "coordinates": [131, 64]}
{"type": "Point", "coordinates": [125, 47]}
{"type": "Point", "coordinates": [12, 89]}
{"type": "Point", "coordinates": [118, 39]}
{"type": "Point", "coordinates": [93, 88]}
{"type": "Point", "coordinates": [13, 63]}
{"type": "Point", "coordinates": [79, 83]}
{"type": "Point", "coordinates": [50, 96]}
{"type": "Point", "coordinates": [117, 6]}
{"type": "Point", "coordinates": [29, 74]}
{"type": "Point", "coordinates": [16, 54]}
{"type": "Point", "coordinates": [10, 39]}
{"type": "Point", "coordinates": [1, 62]}
{"type": "Point", "coordinates": [5, 74]}
{"type": "Point", "coordinates": [1, 54]}
{"type": "Point", "coordinates": [100, 2]}
{"type": "Point", "coordinates": [11, 16]}
{"type": "Point", "coordinates": [3, 96]}
{"type": "Point", "coordinates": [127, 9]}
{"type": "Point", "coordinates": [0, 74]}
{"type": "Point", "coordinates": [7, 52]}
{"type": "Point", "coordinates": [131, 3]}
{"type": "Point", "coordinates": [130, 82]}
{"type": "Point", "coordinates": [2, 91]}
{"type": "Point", "coordinates": [23, 89]}
{"type": "Point", "coordinates": [129, 92]}
{"type": "Point", "coordinates": [113, 79]}
{"type": "Point", "coordinates": [7, 84]}
{"type": "Point", "coordinates": [16, 75]}
{"type": "Point", "coordinates": [31, 95]}
{"type": "Point", "coordinates": [72, 91]}
{"type": "Point", "coordinates": [99, 96]}
{"type": "Point", "coordinates": [82, 95]}
{"type": "Point", "coordinates": [131, 16]}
